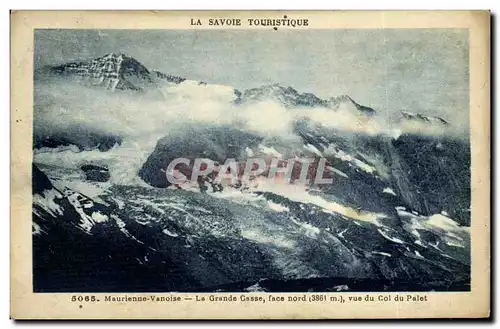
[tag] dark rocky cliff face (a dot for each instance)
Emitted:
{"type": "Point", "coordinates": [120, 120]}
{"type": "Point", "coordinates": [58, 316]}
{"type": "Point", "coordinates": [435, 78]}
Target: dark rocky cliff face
{"type": "Point", "coordinates": [84, 139]}
{"type": "Point", "coordinates": [433, 174]}
{"type": "Point", "coordinates": [214, 143]}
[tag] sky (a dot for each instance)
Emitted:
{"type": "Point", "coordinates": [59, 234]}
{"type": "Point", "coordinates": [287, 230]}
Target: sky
{"type": "Point", "coordinates": [417, 70]}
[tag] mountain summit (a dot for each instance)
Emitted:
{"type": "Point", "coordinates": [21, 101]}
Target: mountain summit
{"type": "Point", "coordinates": [114, 72]}
{"type": "Point", "coordinates": [110, 71]}
{"type": "Point", "coordinates": [288, 96]}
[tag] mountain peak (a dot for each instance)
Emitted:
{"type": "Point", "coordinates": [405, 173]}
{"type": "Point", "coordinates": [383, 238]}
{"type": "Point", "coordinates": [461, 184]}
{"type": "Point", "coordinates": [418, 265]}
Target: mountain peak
{"type": "Point", "coordinates": [423, 118]}
{"type": "Point", "coordinates": [290, 97]}
{"type": "Point", "coordinates": [112, 71]}
{"type": "Point", "coordinates": [346, 103]}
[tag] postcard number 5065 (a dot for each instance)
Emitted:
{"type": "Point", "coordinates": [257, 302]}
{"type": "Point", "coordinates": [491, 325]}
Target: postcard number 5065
{"type": "Point", "coordinates": [84, 299]}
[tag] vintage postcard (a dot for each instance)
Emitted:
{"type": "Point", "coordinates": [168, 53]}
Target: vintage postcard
{"type": "Point", "coordinates": [250, 165]}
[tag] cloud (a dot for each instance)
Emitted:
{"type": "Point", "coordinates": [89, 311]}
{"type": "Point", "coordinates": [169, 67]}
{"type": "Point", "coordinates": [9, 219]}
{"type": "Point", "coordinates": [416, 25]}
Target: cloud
{"type": "Point", "coordinates": [61, 105]}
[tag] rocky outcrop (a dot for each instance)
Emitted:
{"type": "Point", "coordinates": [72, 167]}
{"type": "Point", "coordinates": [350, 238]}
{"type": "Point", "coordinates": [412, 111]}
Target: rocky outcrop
{"type": "Point", "coordinates": [96, 173]}
{"type": "Point", "coordinates": [347, 103]}
{"type": "Point", "coordinates": [39, 181]}
{"type": "Point", "coordinates": [433, 174]}
{"type": "Point", "coordinates": [423, 118]}
{"type": "Point", "coordinates": [216, 143]}
{"type": "Point", "coordinates": [83, 139]}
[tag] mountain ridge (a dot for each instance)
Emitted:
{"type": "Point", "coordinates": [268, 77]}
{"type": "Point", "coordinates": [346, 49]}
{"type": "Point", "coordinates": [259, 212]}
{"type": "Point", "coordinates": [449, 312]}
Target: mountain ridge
{"type": "Point", "coordinates": [116, 72]}
{"type": "Point", "coordinates": [113, 72]}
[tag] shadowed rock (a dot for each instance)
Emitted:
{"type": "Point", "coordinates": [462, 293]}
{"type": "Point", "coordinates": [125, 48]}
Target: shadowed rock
{"type": "Point", "coordinates": [96, 173]}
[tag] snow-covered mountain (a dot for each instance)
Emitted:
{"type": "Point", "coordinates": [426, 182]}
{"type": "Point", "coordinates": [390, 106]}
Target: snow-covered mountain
{"type": "Point", "coordinates": [113, 72]}
{"type": "Point", "coordinates": [289, 97]}
{"type": "Point", "coordinates": [396, 216]}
